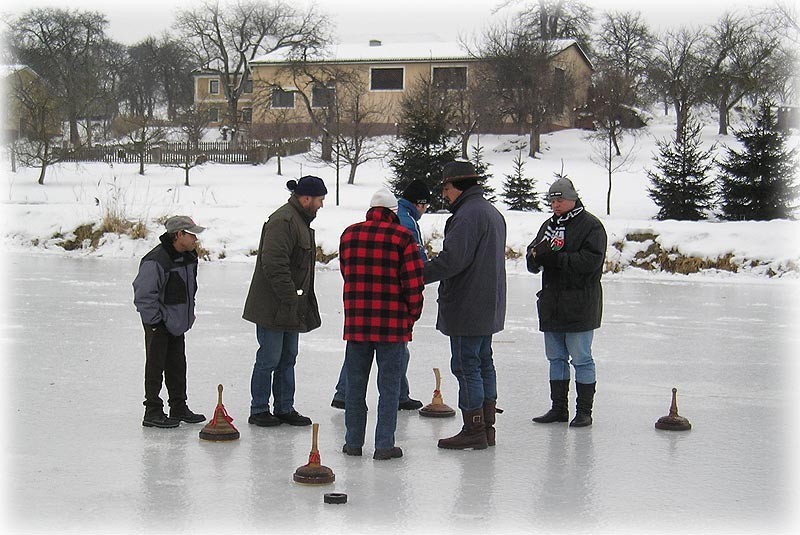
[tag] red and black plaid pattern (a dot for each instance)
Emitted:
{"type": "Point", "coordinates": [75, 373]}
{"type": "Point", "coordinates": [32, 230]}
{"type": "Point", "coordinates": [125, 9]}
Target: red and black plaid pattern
{"type": "Point", "coordinates": [383, 284]}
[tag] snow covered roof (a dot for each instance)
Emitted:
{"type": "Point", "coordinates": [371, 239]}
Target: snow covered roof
{"type": "Point", "coordinates": [377, 51]}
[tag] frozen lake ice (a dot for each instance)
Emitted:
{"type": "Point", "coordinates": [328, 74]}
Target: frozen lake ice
{"type": "Point", "coordinates": [78, 460]}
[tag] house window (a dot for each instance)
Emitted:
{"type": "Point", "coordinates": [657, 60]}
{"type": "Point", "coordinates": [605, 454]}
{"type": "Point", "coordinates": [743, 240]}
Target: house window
{"type": "Point", "coordinates": [282, 99]}
{"type": "Point", "coordinates": [322, 97]}
{"type": "Point", "coordinates": [450, 77]}
{"type": "Point", "coordinates": [213, 115]}
{"type": "Point", "coordinates": [387, 79]}
{"type": "Point", "coordinates": [213, 87]}
{"type": "Point", "coordinates": [247, 115]}
{"type": "Point", "coordinates": [247, 86]}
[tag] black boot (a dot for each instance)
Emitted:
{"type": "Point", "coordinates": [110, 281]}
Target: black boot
{"type": "Point", "coordinates": [155, 417]}
{"type": "Point", "coordinates": [489, 413]}
{"type": "Point", "coordinates": [183, 413]}
{"type": "Point", "coordinates": [472, 434]}
{"type": "Point", "coordinates": [559, 411]}
{"type": "Point", "coordinates": [583, 417]}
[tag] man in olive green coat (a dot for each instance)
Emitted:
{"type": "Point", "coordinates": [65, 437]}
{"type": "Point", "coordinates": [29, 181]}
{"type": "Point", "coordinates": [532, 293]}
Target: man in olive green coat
{"type": "Point", "coordinates": [281, 301]}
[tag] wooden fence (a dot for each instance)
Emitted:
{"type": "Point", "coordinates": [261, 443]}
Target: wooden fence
{"type": "Point", "coordinates": [250, 152]}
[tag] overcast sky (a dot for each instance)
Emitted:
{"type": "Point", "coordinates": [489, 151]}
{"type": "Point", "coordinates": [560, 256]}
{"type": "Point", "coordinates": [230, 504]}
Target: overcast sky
{"type": "Point", "coordinates": [388, 20]}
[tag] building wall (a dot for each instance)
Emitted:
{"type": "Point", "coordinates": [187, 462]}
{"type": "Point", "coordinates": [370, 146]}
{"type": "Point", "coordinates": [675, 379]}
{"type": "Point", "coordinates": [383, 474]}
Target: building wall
{"type": "Point", "coordinates": [267, 76]}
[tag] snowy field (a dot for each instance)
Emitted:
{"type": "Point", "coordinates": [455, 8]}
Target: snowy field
{"type": "Point", "coordinates": [79, 461]}
{"type": "Point", "coordinates": [233, 200]}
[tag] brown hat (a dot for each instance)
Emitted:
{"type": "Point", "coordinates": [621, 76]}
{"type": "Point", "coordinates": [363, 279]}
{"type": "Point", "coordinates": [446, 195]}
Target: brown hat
{"type": "Point", "coordinates": [458, 170]}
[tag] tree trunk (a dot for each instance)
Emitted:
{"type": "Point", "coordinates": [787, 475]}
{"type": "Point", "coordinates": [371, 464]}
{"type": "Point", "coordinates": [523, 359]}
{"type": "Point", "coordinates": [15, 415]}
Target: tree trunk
{"type": "Point", "coordinates": [141, 162]}
{"type": "Point", "coordinates": [326, 147]}
{"type": "Point", "coordinates": [722, 108]}
{"type": "Point", "coordinates": [280, 173]}
{"type": "Point", "coordinates": [351, 178]}
{"type": "Point", "coordinates": [74, 135]}
{"type": "Point", "coordinates": [534, 142]}
{"type": "Point", "coordinates": [465, 146]}
{"type": "Point", "coordinates": [608, 162]}
{"type": "Point", "coordinates": [186, 176]}
{"type": "Point", "coordinates": [41, 173]}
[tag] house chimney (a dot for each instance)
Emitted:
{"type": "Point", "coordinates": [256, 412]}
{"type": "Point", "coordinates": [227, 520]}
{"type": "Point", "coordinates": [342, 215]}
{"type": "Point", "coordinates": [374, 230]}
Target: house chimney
{"type": "Point", "coordinates": [374, 42]}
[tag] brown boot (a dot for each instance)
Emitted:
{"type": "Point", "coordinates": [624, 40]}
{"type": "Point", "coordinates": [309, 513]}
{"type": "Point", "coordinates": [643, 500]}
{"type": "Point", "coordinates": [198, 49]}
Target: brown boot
{"type": "Point", "coordinates": [488, 419]}
{"type": "Point", "coordinates": [472, 435]}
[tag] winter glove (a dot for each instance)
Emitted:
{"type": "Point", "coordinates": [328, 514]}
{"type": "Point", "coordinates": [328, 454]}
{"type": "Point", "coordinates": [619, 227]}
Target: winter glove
{"type": "Point", "coordinates": [547, 258]}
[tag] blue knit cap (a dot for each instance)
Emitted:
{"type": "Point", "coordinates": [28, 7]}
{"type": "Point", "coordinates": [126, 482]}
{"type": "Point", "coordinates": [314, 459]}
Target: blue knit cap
{"type": "Point", "coordinates": [310, 185]}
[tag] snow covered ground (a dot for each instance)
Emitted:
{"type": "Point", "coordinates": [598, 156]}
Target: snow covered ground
{"type": "Point", "coordinates": [233, 201]}
{"type": "Point", "coordinates": [79, 461]}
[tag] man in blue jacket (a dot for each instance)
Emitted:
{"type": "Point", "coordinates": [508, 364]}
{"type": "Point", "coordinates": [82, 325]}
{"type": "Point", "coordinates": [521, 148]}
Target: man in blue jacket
{"type": "Point", "coordinates": [410, 207]}
{"type": "Point", "coordinates": [472, 300]}
{"type": "Point", "coordinates": [163, 292]}
{"type": "Point", "coordinates": [571, 249]}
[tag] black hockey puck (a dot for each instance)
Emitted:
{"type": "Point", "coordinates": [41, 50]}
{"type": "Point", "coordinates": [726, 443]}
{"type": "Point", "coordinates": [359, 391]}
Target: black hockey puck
{"type": "Point", "coordinates": [335, 497]}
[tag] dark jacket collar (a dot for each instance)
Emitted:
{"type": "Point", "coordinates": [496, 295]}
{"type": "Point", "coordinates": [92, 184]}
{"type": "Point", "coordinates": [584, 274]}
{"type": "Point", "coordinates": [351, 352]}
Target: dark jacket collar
{"type": "Point", "coordinates": [469, 193]}
{"type": "Point", "coordinates": [294, 202]}
{"type": "Point", "coordinates": [166, 242]}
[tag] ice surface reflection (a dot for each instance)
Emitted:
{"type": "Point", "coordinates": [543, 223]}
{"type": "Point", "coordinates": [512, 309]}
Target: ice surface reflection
{"type": "Point", "coordinates": [78, 459]}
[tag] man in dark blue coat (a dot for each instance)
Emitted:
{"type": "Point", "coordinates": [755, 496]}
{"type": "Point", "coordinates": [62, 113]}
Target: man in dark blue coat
{"type": "Point", "coordinates": [472, 300]}
{"type": "Point", "coordinates": [571, 249]}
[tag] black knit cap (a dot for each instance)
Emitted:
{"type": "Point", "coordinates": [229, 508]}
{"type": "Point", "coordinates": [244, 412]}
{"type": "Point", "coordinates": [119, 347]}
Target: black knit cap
{"type": "Point", "coordinates": [458, 170]}
{"type": "Point", "coordinates": [310, 185]}
{"type": "Point", "coordinates": [417, 192]}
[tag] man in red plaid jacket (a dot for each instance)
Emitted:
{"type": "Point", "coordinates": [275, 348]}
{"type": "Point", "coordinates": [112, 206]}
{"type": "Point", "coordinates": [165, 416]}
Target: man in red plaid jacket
{"type": "Point", "coordinates": [382, 271]}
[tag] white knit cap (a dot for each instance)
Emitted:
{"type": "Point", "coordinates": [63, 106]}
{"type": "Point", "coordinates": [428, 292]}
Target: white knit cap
{"type": "Point", "coordinates": [383, 197]}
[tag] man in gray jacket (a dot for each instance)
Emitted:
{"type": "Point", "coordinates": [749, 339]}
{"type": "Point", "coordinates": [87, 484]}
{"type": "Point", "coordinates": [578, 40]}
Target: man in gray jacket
{"type": "Point", "coordinates": [281, 301]}
{"type": "Point", "coordinates": [163, 293]}
{"type": "Point", "coordinates": [472, 300]}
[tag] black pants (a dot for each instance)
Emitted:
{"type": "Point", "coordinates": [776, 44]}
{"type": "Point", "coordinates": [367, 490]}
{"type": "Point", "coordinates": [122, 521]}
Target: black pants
{"type": "Point", "coordinates": [164, 356]}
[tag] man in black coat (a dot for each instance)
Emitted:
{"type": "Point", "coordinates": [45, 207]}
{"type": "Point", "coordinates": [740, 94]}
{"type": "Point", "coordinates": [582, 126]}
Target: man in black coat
{"type": "Point", "coordinates": [472, 300]}
{"type": "Point", "coordinates": [571, 249]}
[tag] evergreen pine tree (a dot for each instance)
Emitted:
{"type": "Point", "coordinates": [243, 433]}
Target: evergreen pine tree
{"type": "Point", "coordinates": [482, 170]}
{"type": "Point", "coordinates": [425, 142]}
{"type": "Point", "coordinates": [681, 187]}
{"type": "Point", "coordinates": [759, 182]}
{"type": "Point", "coordinates": [518, 190]}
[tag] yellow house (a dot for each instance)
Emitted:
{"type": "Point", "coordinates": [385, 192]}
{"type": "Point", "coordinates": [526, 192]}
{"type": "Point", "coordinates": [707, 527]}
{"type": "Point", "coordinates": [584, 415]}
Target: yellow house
{"type": "Point", "coordinates": [386, 72]}
{"type": "Point", "coordinates": [19, 81]}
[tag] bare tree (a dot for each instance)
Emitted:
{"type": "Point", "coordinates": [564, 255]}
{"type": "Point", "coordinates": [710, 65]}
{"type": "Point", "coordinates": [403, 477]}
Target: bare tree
{"type": "Point", "coordinates": [69, 49]}
{"type": "Point", "coordinates": [624, 45]}
{"type": "Point", "coordinates": [142, 132]}
{"type": "Point", "coordinates": [224, 40]}
{"type": "Point", "coordinates": [606, 153]}
{"type": "Point", "coordinates": [556, 19]}
{"type": "Point", "coordinates": [737, 52]}
{"type": "Point", "coordinates": [173, 69]}
{"type": "Point", "coordinates": [317, 87]}
{"type": "Point", "coordinates": [39, 117]}
{"type": "Point", "coordinates": [192, 121]}
{"type": "Point", "coordinates": [140, 87]}
{"type": "Point", "coordinates": [678, 72]}
{"type": "Point", "coordinates": [355, 121]}
{"type": "Point", "coordinates": [528, 88]}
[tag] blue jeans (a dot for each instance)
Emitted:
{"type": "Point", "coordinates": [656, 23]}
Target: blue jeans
{"type": "Point", "coordinates": [273, 371]}
{"type": "Point", "coordinates": [358, 361]}
{"type": "Point", "coordinates": [560, 346]}
{"type": "Point", "coordinates": [472, 364]}
{"type": "Point", "coordinates": [341, 386]}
